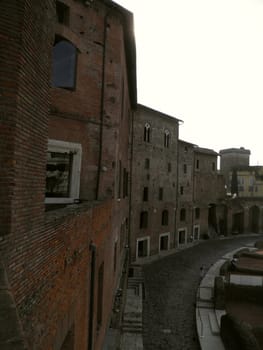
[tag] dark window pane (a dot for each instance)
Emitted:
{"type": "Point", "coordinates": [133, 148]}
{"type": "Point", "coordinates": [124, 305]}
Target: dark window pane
{"type": "Point", "coordinates": [64, 65]}
{"type": "Point", "coordinates": [165, 217]}
{"type": "Point", "coordinates": [62, 11]}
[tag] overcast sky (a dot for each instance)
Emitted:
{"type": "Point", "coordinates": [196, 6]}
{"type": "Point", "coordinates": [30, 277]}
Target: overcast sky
{"type": "Point", "coordinates": [202, 62]}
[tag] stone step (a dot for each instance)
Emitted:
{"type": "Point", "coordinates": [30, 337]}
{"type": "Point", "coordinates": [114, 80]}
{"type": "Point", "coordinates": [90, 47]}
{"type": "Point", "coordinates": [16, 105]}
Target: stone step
{"type": "Point", "coordinates": [205, 304]}
{"type": "Point", "coordinates": [213, 323]}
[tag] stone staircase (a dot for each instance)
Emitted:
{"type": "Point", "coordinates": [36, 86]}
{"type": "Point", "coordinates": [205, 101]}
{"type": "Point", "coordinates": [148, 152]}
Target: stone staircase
{"type": "Point", "coordinates": [132, 326]}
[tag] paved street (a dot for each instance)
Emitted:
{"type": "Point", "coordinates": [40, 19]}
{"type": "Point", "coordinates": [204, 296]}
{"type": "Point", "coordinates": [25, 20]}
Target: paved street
{"type": "Point", "coordinates": [170, 288]}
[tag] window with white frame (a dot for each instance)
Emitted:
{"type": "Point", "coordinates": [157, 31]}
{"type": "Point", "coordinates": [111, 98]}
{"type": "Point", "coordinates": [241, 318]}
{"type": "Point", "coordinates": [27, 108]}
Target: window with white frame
{"type": "Point", "coordinates": [63, 171]}
{"type": "Point", "coordinates": [196, 232]}
{"type": "Point", "coordinates": [182, 236]}
{"type": "Point", "coordinates": [143, 247]}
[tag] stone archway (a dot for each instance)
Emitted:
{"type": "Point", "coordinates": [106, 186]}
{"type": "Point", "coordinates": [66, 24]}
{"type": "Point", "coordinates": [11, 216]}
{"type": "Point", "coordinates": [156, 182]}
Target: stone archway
{"type": "Point", "coordinates": [238, 222]}
{"type": "Point", "coordinates": [254, 216]}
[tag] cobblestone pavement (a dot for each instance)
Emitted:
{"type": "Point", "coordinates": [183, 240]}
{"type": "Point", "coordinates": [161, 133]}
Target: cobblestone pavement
{"type": "Point", "coordinates": [170, 292]}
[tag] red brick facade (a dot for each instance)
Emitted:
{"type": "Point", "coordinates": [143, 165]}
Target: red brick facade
{"type": "Point", "coordinates": [63, 265]}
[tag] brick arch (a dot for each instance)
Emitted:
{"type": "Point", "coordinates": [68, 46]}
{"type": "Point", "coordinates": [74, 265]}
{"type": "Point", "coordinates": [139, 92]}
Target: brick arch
{"type": "Point", "coordinates": [67, 34]}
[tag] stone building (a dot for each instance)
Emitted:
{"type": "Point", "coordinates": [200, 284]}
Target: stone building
{"type": "Point", "coordinates": [187, 229]}
{"type": "Point", "coordinates": [232, 157]}
{"type": "Point", "coordinates": [200, 210]}
{"type": "Point", "coordinates": [209, 192]}
{"type": "Point", "coordinates": [67, 92]}
{"type": "Point", "coordinates": [245, 191]}
{"type": "Point", "coordinates": [154, 182]}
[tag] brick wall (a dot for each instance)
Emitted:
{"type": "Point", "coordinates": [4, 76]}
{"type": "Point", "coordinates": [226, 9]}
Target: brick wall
{"type": "Point", "coordinates": [24, 79]}
{"type": "Point", "coordinates": [47, 255]}
{"type": "Point", "coordinates": [98, 108]}
{"type": "Point", "coordinates": [157, 176]}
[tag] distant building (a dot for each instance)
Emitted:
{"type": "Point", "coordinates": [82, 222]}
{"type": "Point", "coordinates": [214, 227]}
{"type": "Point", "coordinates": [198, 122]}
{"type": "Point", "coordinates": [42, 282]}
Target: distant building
{"type": "Point", "coordinates": [245, 191]}
{"type": "Point", "coordinates": [187, 218]}
{"type": "Point", "coordinates": [232, 157]}
{"type": "Point", "coordinates": [154, 182]}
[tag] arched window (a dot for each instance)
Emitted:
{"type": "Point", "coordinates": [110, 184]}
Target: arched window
{"type": "Point", "coordinates": [166, 138]}
{"type": "Point", "coordinates": [147, 131]}
{"type": "Point", "coordinates": [182, 214]}
{"type": "Point", "coordinates": [165, 217]}
{"type": "Point", "coordinates": [64, 61]}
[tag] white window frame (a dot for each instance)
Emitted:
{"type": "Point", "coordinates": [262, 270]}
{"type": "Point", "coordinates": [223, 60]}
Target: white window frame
{"type": "Point", "coordinates": [146, 238]}
{"type": "Point", "coordinates": [194, 227]}
{"type": "Point", "coordinates": [185, 240]}
{"type": "Point", "coordinates": [167, 234]}
{"type": "Point", "coordinates": [66, 147]}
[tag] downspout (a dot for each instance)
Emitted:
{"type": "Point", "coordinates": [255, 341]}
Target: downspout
{"type": "Point", "coordinates": [177, 190]}
{"type": "Point", "coordinates": [93, 250]}
{"type": "Point", "coordinates": [102, 104]}
{"type": "Point", "coordinates": [130, 194]}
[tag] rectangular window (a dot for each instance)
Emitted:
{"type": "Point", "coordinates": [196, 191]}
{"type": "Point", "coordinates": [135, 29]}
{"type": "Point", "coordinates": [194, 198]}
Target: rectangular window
{"type": "Point", "coordinates": [181, 189]}
{"type": "Point", "coordinates": [169, 168]}
{"type": "Point", "coordinates": [125, 183]}
{"type": "Point", "coordinates": [63, 171]}
{"type": "Point", "coordinates": [145, 194]}
{"type": "Point", "coordinates": [143, 247]}
{"type": "Point", "coordinates": [213, 166]}
{"type": "Point", "coordinates": [100, 295]}
{"type": "Point", "coordinates": [185, 168]}
{"type": "Point", "coordinates": [147, 163]}
{"type": "Point", "coordinates": [197, 213]}
{"type": "Point", "coordinates": [197, 164]}
{"type": "Point", "coordinates": [120, 179]}
{"type": "Point", "coordinates": [164, 241]}
{"type": "Point", "coordinates": [62, 11]}
{"type": "Point", "coordinates": [196, 234]}
{"type": "Point", "coordinates": [182, 214]}
{"type": "Point", "coordinates": [115, 256]}
{"type": "Point", "coordinates": [182, 236]}
{"type": "Point", "coordinates": [144, 219]}
{"type": "Point", "coordinates": [160, 193]}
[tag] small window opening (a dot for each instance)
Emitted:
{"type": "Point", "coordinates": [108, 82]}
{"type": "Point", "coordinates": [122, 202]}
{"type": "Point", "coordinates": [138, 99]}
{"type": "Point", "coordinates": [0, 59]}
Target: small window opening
{"type": "Point", "coordinates": [182, 214]}
{"type": "Point", "coordinates": [62, 12]}
{"type": "Point", "coordinates": [147, 163]}
{"type": "Point", "coordinates": [197, 213]}
{"type": "Point", "coordinates": [166, 139]}
{"type": "Point", "coordinates": [160, 193]}
{"type": "Point", "coordinates": [165, 217]}
{"type": "Point", "coordinates": [147, 131]}
{"type": "Point", "coordinates": [145, 194]}
{"type": "Point", "coordinates": [144, 219]}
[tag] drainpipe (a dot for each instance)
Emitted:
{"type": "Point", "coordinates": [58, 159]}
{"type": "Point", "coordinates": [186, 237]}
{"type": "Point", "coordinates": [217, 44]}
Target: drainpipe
{"type": "Point", "coordinates": [130, 194]}
{"type": "Point", "coordinates": [102, 104]}
{"type": "Point", "coordinates": [177, 190]}
{"type": "Point", "coordinates": [93, 250]}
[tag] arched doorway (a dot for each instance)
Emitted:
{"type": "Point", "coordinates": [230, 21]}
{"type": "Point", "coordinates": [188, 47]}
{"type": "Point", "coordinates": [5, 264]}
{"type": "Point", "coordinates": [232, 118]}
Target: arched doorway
{"type": "Point", "coordinates": [238, 222]}
{"type": "Point", "coordinates": [254, 214]}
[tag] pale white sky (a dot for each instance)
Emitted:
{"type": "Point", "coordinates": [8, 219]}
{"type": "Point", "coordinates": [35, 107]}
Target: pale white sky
{"type": "Point", "coordinates": [202, 62]}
